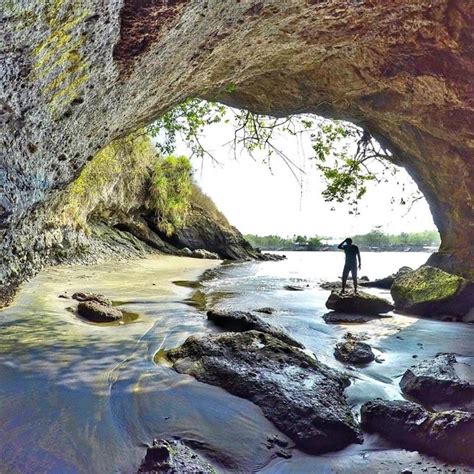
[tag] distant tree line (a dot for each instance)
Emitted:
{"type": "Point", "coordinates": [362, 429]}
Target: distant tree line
{"type": "Point", "coordinates": [275, 242]}
{"type": "Point", "coordinates": [375, 238]}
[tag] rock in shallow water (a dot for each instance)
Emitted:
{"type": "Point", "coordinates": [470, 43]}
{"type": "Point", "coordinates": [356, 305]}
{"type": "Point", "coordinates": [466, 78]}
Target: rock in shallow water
{"type": "Point", "coordinates": [437, 381]}
{"type": "Point", "coordinates": [430, 292]}
{"type": "Point", "coordinates": [173, 457]}
{"type": "Point", "coordinates": [359, 303]}
{"type": "Point", "coordinates": [448, 435]}
{"type": "Point", "coordinates": [354, 352]}
{"type": "Point", "coordinates": [301, 396]}
{"type": "Point", "coordinates": [241, 321]}
{"type": "Point", "coordinates": [98, 313]}
{"type": "Point", "coordinates": [84, 296]}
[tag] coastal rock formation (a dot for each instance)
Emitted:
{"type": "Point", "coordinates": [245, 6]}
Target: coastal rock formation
{"type": "Point", "coordinates": [77, 75]}
{"type": "Point", "coordinates": [301, 396]}
{"type": "Point", "coordinates": [432, 292]}
{"type": "Point", "coordinates": [241, 321]}
{"type": "Point", "coordinates": [440, 380]}
{"type": "Point", "coordinates": [172, 457]}
{"type": "Point", "coordinates": [447, 435]}
{"type": "Point", "coordinates": [98, 312]}
{"type": "Point", "coordinates": [359, 303]}
{"type": "Point", "coordinates": [97, 297]}
{"type": "Point", "coordinates": [353, 352]}
{"type": "Point", "coordinates": [387, 282]}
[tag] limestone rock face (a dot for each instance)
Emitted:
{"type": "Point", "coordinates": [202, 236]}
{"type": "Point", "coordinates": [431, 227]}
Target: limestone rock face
{"type": "Point", "coordinates": [430, 291]}
{"type": "Point", "coordinates": [301, 396]}
{"type": "Point", "coordinates": [76, 75]}
{"type": "Point", "coordinates": [360, 303]}
{"type": "Point", "coordinates": [448, 435]}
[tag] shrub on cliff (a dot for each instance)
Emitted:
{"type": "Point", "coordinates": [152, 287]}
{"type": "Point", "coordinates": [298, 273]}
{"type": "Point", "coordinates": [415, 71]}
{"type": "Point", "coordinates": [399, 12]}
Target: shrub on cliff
{"type": "Point", "coordinates": [170, 190]}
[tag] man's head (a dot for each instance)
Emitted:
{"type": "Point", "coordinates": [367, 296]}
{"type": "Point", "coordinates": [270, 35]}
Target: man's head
{"type": "Point", "coordinates": [349, 241]}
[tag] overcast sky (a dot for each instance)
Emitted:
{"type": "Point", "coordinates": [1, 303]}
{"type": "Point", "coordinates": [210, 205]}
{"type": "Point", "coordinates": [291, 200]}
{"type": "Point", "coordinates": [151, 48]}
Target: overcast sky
{"type": "Point", "coordinates": [262, 201]}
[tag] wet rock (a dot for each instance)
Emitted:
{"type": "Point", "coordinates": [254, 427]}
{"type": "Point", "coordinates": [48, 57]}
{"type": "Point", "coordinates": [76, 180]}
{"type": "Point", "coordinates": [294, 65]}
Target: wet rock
{"type": "Point", "coordinates": [301, 396]}
{"type": "Point", "coordinates": [432, 292]}
{"type": "Point", "coordinates": [202, 253]}
{"type": "Point", "coordinates": [360, 303]}
{"type": "Point", "coordinates": [440, 380]}
{"type": "Point", "coordinates": [241, 321]}
{"type": "Point", "coordinates": [82, 296]}
{"type": "Point", "coordinates": [333, 317]}
{"type": "Point", "coordinates": [448, 435]}
{"type": "Point", "coordinates": [353, 351]}
{"type": "Point", "coordinates": [173, 457]}
{"type": "Point", "coordinates": [334, 285]}
{"type": "Point", "coordinates": [98, 312]}
{"type": "Point", "coordinates": [294, 288]}
{"type": "Point", "coordinates": [387, 282]}
{"type": "Point", "coordinates": [265, 310]}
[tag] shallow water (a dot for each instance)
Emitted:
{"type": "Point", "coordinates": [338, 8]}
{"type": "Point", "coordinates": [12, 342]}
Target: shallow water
{"type": "Point", "coordinates": [78, 397]}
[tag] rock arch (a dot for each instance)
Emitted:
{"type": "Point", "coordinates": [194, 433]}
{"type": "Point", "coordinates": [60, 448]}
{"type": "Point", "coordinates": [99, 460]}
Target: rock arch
{"type": "Point", "coordinates": [76, 75]}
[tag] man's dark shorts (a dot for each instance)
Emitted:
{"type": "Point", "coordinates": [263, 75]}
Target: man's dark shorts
{"type": "Point", "coordinates": [350, 267]}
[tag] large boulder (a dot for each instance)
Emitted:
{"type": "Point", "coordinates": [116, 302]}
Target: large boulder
{"type": "Point", "coordinates": [387, 282]}
{"type": "Point", "coordinates": [430, 291]}
{"type": "Point", "coordinates": [448, 435]}
{"type": "Point", "coordinates": [440, 380]}
{"type": "Point", "coordinates": [333, 317]}
{"type": "Point", "coordinates": [302, 397]}
{"type": "Point", "coordinates": [98, 313]}
{"type": "Point", "coordinates": [240, 321]}
{"type": "Point", "coordinates": [172, 457]}
{"type": "Point", "coordinates": [359, 303]}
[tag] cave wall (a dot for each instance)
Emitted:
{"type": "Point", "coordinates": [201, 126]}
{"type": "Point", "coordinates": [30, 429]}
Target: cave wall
{"type": "Point", "coordinates": [78, 74]}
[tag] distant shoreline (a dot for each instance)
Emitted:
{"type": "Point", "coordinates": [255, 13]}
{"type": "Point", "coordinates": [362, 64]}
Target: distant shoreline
{"type": "Point", "coordinates": [333, 248]}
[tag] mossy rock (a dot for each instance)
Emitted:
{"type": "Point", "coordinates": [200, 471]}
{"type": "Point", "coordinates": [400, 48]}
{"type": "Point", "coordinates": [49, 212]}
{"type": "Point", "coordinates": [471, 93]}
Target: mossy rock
{"type": "Point", "coordinates": [430, 291]}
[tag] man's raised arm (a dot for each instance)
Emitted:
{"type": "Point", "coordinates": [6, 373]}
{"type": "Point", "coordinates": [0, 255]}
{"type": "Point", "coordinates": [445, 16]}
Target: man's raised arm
{"type": "Point", "coordinates": [341, 245]}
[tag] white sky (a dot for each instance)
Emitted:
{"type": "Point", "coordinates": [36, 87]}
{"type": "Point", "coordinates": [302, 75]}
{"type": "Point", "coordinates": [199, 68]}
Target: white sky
{"type": "Point", "coordinates": [261, 201]}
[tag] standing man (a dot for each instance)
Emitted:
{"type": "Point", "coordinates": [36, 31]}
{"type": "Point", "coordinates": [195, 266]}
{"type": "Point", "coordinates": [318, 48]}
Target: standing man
{"type": "Point", "coordinates": [352, 255]}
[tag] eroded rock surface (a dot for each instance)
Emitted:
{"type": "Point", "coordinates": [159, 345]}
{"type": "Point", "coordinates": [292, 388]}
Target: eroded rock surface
{"type": "Point", "coordinates": [448, 435]}
{"type": "Point", "coordinates": [301, 396]}
{"type": "Point", "coordinates": [432, 292]}
{"type": "Point", "coordinates": [98, 312]}
{"type": "Point", "coordinates": [78, 75]}
{"type": "Point", "coordinates": [84, 296]}
{"type": "Point", "coordinates": [242, 321]}
{"type": "Point", "coordinates": [173, 457]}
{"type": "Point", "coordinates": [440, 380]}
{"type": "Point", "coordinates": [353, 351]}
{"type": "Point", "coordinates": [358, 303]}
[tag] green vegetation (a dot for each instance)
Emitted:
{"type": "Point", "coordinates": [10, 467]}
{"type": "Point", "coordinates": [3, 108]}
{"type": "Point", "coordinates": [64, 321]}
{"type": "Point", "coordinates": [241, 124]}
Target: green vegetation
{"type": "Point", "coordinates": [171, 191]}
{"type": "Point", "coordinates": [347, 156]}
{"type": "Point", "coordinates": [375, 238]}
{"type": "Point", "coordinates": [275, 242]}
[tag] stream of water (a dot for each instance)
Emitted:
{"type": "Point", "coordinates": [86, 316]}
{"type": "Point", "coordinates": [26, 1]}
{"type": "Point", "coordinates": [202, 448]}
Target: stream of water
{"type": "Point", "coordinates": [79, 397]}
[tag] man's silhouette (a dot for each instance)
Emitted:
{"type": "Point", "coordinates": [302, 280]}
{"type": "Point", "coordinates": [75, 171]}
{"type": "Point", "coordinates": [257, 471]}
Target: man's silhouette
{"type": "Point", "coordinates": [352, 254]}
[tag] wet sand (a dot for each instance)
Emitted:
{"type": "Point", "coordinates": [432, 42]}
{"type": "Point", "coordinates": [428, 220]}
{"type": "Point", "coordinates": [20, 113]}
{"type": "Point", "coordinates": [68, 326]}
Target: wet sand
{"type": "Point", "coordinates": [79, 397]}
